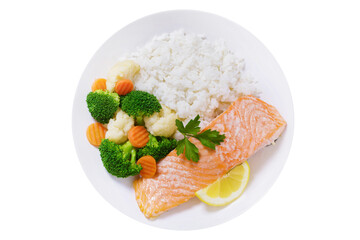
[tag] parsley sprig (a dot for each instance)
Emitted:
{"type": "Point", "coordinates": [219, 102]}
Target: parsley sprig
{"type": "Point", "coordinates": [208, 138]}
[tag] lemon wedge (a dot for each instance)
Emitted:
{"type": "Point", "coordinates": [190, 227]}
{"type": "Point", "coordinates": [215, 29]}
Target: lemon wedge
{"type": "Point", "coordinates": [227, 188]}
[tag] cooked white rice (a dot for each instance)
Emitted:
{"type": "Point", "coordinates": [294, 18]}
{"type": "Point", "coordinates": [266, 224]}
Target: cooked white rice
{"type": "Point", "coordinates": [191, 75]}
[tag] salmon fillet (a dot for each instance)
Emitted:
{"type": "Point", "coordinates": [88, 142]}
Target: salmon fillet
{"type": "Point", "coordinates": [248, 124]}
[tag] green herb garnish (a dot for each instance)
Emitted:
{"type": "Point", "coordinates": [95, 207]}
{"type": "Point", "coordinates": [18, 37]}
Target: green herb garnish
{"type": "Point", "coordinates": [208, 138]}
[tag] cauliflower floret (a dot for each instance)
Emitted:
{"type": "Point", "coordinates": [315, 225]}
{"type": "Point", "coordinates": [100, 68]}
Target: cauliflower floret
{"type": "Point", "coordinates": [119, 127]}
{"type": "Point", "coordinates": [124, 69]}
{"type": "Point", "coordinates": [161, 123]}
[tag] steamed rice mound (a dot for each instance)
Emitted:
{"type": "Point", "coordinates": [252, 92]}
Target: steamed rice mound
{"type": "Point", "coordinates": [191, 75]}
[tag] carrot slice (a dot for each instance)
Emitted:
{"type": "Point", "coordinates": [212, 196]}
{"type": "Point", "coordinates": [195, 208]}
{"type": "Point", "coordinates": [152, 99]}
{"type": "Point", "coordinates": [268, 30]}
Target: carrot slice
{"type": "Point", "coordinates": [99, 83]}
{"type": "Point", "coordinates": [138, 136]}
{"type": "Point", "coordinates": [148, 164]}
{"type": "Point", "coordinates": [124, 86]}
{"type": "Point", "coordinates": [95, 133]}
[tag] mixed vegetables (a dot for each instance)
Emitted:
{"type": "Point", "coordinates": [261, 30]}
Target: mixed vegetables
{"type": "Point", "coordinates": [133, 130]}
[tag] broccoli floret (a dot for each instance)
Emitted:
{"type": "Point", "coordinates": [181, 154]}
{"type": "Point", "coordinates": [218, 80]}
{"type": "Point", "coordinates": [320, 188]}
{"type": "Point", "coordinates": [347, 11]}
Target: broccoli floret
{"type": "Point", "coordinates": [122, 97]}
{"type": "Point", "coordinates": [102, 105]}
{"type": "Point", "coordinates": [158, 147]}
{"type": "Point", "coordinates": [139, 104]}
{"type": "Point", "coordinates": [119, 160]}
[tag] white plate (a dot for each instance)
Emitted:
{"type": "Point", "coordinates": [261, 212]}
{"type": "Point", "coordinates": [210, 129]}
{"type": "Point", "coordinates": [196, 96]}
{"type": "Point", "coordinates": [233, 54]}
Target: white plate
{"type": "Point", "coordinates": [265, 166]}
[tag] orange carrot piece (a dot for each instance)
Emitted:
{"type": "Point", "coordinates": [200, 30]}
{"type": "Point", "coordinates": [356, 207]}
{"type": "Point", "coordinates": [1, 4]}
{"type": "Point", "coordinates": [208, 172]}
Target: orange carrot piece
{"type": "Point", "coordinates": [148, 164]}
{"type": "Point", "coordinates": [138, 136]}
{"type": "Point", "coordinates": [124, 86]}
{"type": "Point", "coordinates": [99, 83]}
{"type": "Point", "coordinates": [95, 133]}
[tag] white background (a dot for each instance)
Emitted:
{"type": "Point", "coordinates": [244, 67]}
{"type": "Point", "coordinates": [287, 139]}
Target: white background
{"type": "Point", "coordinates": [45, 46]}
